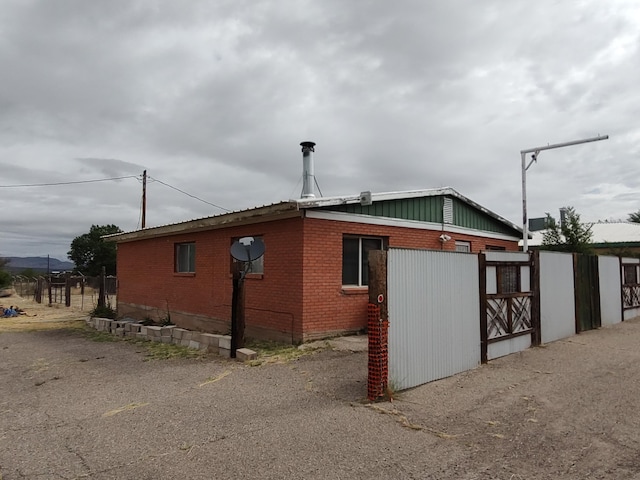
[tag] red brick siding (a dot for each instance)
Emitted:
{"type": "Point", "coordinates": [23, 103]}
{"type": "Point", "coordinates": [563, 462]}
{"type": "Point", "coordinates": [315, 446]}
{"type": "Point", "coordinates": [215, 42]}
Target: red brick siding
{"type": "Point", "coordinates": [293, 300]}
{"type": "Point", "coordinates": [273, 300]}
{"type": "Point", "coordinates": [328, 307]}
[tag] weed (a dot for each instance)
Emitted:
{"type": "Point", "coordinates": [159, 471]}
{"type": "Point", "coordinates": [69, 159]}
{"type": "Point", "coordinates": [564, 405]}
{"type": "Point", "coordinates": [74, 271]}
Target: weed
{"type": "Point", "coordinates": [274, 352]}
{"type": "Point", "coordinates": [165, 351]}
{"type": "Point", "coordinates": [104, 312]}
{"type": "Point", "coordinates": [101, 337]}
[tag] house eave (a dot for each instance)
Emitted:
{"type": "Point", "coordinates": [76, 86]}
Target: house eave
{"type": "Point", "coordinates": [278, 211]}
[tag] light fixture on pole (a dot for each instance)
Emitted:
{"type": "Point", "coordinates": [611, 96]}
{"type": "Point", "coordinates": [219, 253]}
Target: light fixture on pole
{"type": "Point", "coordinates": [534, 158]}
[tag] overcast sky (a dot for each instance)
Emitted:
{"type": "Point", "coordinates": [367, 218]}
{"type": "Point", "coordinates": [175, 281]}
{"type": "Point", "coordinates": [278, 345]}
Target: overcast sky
{"type": "Point", "coordinates": [214, 97]}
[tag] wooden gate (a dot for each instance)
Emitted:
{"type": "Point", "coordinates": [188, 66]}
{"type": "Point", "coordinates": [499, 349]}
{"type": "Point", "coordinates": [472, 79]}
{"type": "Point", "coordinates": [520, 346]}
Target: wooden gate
{"type": "Point", "coordinates": [509, 297]}
{"type": "Point", "coordinates": [587, 292]}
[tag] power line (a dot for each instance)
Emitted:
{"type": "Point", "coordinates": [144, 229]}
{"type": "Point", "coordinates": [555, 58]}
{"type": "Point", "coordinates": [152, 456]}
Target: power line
{"type": "Point", "coordinates": [188, 194]}
{"type": "Point", "coordinates": [67, 183]}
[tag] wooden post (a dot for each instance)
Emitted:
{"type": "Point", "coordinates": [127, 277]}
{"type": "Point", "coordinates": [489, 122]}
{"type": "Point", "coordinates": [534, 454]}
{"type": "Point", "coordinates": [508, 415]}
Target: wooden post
{"type": "Point", "coordinates": [49, 289]}
{"type": "Point", "coordinates": [237, 309]}
{"type": "Point", "coordinates": [144, 199]}
{"type": "Point", "coordinates": [378, 282]}
{"type": "Point", "coordinates": [101, 292]}
{"type": "Point", "coordinates": [534, 270]}
{"type": "Point", "coordinates": [67, 291]}
{"type": "Point", "coordinates": [378, 327]}
{"type": "Point", "coordinates": [484, 340]}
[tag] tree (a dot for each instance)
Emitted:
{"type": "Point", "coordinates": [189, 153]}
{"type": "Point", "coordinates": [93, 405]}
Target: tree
{"type": "Point", "coordinates": [90, 252]}
{"type": "Point", "coordinates": [5, 277]}
{"type": "Point", "coordinates": [634, 217]}
{"type": "Point", "coordinates": [571, 236]}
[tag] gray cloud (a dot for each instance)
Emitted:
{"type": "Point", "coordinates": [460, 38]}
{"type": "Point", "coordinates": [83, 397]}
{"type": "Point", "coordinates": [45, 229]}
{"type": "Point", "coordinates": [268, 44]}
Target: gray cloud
{"type": "Point", "coordinates": [214, 97]}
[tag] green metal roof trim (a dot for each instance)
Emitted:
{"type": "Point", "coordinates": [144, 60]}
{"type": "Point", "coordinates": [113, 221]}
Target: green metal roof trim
{"type": "Point", "coordinates": [429, 209]}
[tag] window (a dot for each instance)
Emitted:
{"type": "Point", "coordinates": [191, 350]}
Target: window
{"type": "Point", "coordinates": [508, 278]}
{"type": "Point", "coordinates": [630, 274]}
{"type": "Point", "coordinates": [355, 259]}
{"type": "Point", "coordinates": [463, 246]}
{"type": "Point", "coordinates": [185, 257]}
{"type": "Point", "coordinates": [496, 248]}
{"type": "Point", "coordinates": [257, 266]}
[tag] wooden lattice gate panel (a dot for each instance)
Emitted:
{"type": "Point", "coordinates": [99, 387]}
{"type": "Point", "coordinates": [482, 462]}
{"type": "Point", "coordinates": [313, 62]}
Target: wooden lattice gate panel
{"type": "Point", "coordinates": [509, 297]}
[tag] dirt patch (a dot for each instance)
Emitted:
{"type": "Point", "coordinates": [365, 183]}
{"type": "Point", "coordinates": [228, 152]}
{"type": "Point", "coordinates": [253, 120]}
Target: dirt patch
{"type": "Point", "coordinates": [41, 316]}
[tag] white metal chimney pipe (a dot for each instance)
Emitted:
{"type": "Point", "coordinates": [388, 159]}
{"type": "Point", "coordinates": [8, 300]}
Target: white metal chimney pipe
{"type": "Point", "coordinates": [308, 178]}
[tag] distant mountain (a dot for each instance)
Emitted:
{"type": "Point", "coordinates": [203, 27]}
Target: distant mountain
{"type": "Point", "coordinates": [39, 264]}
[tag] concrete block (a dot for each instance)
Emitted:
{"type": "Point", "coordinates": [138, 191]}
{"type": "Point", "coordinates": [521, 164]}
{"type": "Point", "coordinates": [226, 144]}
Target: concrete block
{"type": "Point", "coordinates": [154, 338]}
{"type": "Point", "coordinates": [154, 331]}
{"type": "Point", "coordinates": [135, 327]}
{"type": "Point", "coordinates": [196, 336]}
{"type": "Point", "coordinates": [224, 352]}
{"type": "Point", "coordinates": [208, 339]}
{"type": "Point", "coordinates": [244, 354]}
{"type": "Point", "coordinates": [120, 332]}
{"type": "Point", "coordinates": [166, 330]}
{"type": "Point", "coordinates": [178, 332]}
{"type": "Point", "coordinates": [224, 342]}
{"type": "Point", "coordinates": [186, 335]}
{"type": "Point", "coordinates": [165, 339]}
{"type": "Point", "coordinates": [142, 336]}
{"type": "Point", "coordinates": [194, 344]}
{"type": "Point", "coordinates": [213, 349]}
{"type": "Point", "coordinates": [184, 342]}
{"type": "Point", "coordinates": [175, 341]}
{"type": "Point", "coordinates": [143, 330]}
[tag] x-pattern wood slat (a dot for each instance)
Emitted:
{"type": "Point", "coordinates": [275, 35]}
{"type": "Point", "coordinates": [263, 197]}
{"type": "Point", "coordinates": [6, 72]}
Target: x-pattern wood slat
{"type": "Point", "coordinates": [521, 309]}
{"type": "Point", "coordinates": [631, 295]}
{"type": "Point", "coordinates": [497, 317]}
{"type": "Point", "coordinates": [506, 316]}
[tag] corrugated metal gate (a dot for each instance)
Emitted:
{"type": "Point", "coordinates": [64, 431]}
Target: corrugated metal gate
{"type": "Point", "coordinates": [434, 307]}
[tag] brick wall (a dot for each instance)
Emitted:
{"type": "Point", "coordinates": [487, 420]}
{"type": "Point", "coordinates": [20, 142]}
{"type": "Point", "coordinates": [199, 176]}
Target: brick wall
{"type": "Point", "coordinates": [331, 308]}
{"type": "Point", "coordinates": [148, 285]}
{"type": "Point", "coordinates": [294, 300]}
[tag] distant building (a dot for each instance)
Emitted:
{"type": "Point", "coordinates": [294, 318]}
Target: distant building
{"type": "Point", "coordinates": [610, 238]}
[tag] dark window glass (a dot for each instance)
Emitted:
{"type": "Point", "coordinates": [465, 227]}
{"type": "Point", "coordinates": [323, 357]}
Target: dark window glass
{"type": "Point", "coordinates": [350, 255]}
{"type": "Point", "coordinates": [509, 279]}
{"type": "Point", "coordinates": [630, 274]}
{"type": "Point", "coordinates": [185, 258]}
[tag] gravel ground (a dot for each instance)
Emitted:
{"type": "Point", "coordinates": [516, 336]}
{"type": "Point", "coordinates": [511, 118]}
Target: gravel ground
{"type": "Point", "coordinates": [74, 408]}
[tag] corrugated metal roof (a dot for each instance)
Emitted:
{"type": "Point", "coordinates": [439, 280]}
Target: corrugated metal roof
{"type": "Point", "coordinates": [614, 232]}
{"type": "Point", "coordinates": [290, 207]}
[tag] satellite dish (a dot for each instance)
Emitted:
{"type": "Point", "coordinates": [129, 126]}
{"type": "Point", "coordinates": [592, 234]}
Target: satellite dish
{"type": "Point", "coordinates": [247, 249]}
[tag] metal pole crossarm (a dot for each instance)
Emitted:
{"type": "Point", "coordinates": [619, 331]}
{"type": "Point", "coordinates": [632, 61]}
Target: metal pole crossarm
{"type": "Point", "coordinates": [525, 167]}
{"type": "Point", "coordinates": [565, 144]}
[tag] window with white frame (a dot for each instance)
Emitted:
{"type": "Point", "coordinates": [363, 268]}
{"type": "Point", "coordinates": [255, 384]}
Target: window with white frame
{"type": "Point", "coordinates": [355, 259]}
{"type": "Point", "coordinates": [185, 257]}
{"type": "Point", "coordinates": [463, 246]}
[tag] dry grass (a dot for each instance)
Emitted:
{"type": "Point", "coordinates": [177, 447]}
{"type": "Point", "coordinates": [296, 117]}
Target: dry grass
{"type": "Point", "coordinates": [40, 316]}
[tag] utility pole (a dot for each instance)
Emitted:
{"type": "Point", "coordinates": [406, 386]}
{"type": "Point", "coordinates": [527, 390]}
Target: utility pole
{"type": "Point", "coordinates": [535, 152]}
{"type": "Point", "coordinates": [144, 198]}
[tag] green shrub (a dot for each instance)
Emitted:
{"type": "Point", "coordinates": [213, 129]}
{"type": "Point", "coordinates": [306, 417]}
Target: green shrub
{"type": "Point", "coordinates": [104, 312]}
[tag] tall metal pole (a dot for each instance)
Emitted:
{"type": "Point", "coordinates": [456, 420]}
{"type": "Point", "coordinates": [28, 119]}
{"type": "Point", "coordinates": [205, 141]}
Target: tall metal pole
{"type": "Point", "coordinates": [525, 226]}
{"type": "Point", "coordinates": [534, 158]}
{"type": "Point", "coordinates": [144, 198]}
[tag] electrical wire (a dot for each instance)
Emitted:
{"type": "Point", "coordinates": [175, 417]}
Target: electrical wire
{"type": "Point", "coordinates": [188, 194]}
{"type": "Point", "coordinates": [67, 183]}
